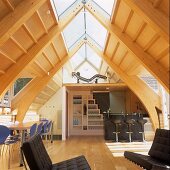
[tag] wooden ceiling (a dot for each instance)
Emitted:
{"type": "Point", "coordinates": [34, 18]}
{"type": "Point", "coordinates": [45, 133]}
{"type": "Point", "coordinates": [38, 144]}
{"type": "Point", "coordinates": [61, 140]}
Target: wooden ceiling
{"type": "Point", "coordinates": [31, 43]}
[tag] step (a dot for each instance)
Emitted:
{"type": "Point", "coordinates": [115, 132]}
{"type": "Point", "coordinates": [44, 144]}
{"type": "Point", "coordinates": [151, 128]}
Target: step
{"type": "Point", "coordinates": [92, 106]}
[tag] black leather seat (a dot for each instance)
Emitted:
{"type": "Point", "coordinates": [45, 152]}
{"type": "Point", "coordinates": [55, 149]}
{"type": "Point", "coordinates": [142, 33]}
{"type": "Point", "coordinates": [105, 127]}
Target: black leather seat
{"type": "Point", "coordinates": [159, 154]}
{"type": "Point", "coordinates": [38, 158]}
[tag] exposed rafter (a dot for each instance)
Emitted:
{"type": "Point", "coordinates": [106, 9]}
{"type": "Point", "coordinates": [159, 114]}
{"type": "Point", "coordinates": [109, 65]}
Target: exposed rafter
{"type": "Point", "coordinates": [23, 101]}
{"type": "Point", "coordinates": [7, 57]}
{"type": "Point", "coordinates": [151, 15]}
{"type": "Point", "coordinates": [144, 58]}
{"type": "Point", "coordinates": [13, 72]}
{"type": "Point", "coordinates": [136, 85]}
{"type": "Point", "coordinates": [8, 4]}
{"type": "Point", "coordinates": [11, 23]}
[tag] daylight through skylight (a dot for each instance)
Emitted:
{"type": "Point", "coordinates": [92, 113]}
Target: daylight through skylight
{"type": "Point", "coordinates": [62, 5]}
{"type": "Point", "coordinates": [84, 25]}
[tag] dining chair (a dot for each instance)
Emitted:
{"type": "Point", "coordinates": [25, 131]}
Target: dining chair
{"type": "Point", "coordinates": [39, 128]}
{"type": "Point", "coordinates": [7, 140]}
{"type": "Point", "coordinates": [4, 133]}
{"type": "Point", "coordinates": [44, 131]}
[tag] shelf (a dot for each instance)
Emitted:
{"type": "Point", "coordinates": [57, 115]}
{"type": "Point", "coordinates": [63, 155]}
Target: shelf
{"type": "Point", "coordinates": [96, 125]}
{"type": "Point", "coordinates": [76, 115]}
{"type": "Point", "coordinates": [95, 120]}
{"type": "Point", "coordinates": [77, 125]}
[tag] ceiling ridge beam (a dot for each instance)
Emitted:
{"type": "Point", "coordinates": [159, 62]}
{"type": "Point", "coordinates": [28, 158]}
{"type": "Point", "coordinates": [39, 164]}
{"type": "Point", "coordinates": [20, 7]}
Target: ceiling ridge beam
{"type": "Point", "coordinates": [14, 20]}
{"type": "Point", "coordinates": [13, 72]}
{"type": "Point", "coordinates": [151, 15]}
{"type": "Point", "coordinates": [144, 58]}
{"type": "Point", "coordinates": [136, 85]}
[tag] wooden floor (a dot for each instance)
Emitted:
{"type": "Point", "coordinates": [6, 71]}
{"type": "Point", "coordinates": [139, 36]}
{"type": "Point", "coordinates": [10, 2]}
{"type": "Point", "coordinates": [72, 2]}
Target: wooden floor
{"type": "Point", "coordinates": [94, 149]}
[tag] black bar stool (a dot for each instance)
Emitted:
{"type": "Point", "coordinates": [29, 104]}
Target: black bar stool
{"type": "Point", "coordinates": [117, 120]}
{"type": "Point", "coordinates": [129, 121]}
{"type": "Point", "coordinates": [142, 121]}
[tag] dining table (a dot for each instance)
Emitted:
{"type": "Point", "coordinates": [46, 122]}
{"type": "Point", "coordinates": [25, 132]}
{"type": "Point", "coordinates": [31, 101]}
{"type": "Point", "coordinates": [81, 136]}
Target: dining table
{"type": "Point", "coordinates": [22, 127]}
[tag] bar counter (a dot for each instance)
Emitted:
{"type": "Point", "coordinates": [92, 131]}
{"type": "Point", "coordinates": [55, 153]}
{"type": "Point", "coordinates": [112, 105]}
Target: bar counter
{"type": "Point", "coordinates": [123, 136]}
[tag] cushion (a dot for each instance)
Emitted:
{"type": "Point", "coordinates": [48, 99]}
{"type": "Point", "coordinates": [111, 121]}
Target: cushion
{"type": "Point", "coordinates": [77, 163]}
{"type": "Point", "coordinates": [36, 154]}
{"type": "Point", "coordinates": [160, 148]}
{"type": "Point", "coordinates": [145, 161]}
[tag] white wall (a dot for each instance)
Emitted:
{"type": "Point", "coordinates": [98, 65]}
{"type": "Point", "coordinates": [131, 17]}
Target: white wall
{"type": "Point", "coordinates": [53, 110]}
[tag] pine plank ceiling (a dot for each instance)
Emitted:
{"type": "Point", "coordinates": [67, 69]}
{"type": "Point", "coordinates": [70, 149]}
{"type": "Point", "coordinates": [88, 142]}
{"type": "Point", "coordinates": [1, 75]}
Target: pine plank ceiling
{"type": "Point", "coordinates": [31, 43]}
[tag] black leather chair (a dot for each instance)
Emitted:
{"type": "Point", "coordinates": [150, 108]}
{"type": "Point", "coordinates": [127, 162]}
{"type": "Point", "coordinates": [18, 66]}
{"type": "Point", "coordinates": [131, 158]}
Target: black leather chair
{"type": "Point", "coordinates": [38, 158]}
{"type": "Point", "coordinates": [158, 157]}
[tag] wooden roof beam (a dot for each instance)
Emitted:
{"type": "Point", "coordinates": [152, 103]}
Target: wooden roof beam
{"type": "Point", "coordinates": [13, 72]}
{"type": "Point", "coordinates": [29, 33]}
{"type": "Point", "coordinates": [2, 72]}
{"type": "Point", "coordinates": [41, 22]}
{"type": "Point", "coordinates": [144, 58]}
{"type": "Point", "coordinates": [151, 15]}
{"type": "Point", "coordinates": [156, 3]}
{"type": "Point", "coordinates": [8, 4]}
{"type": "Point", "coordinates": [147, 96]}
{"type": "Point", "coordinates": [7, 57]}
{"type": "Point", "coordinates": [55, 51]}
{"type": "Point", "coordinates": [47, 58]}
{"type": "Point", "coordinates": [13, 21]}
{"type": "Point", "coordinates": [115, 10]}
{"type": "Point", "coordinates": [26, 97]}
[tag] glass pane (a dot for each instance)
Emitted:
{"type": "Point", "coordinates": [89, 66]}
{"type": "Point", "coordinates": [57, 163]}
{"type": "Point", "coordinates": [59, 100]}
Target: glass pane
{"type": "Point", "coordinates": [20, 83]}
{"type": "Point", "coordinates": [93, 58]}
{"type": "Point", "coordinates": [78, 58]}
{"type": "Point", "coordinates": [86, 70]}
{"type": "Point", "coordinates": [107, 5]}
{"type": "Point", "coordinates": [74, 30]}
{"type": "Point", "coordinates": [95, 30]}
{"type": "Point", "coordinates": [62, 5]}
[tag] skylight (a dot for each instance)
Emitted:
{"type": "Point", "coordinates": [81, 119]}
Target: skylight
{"type": "Point", "coordinates": [74, 30]}
{"type": "Point", "coordinates": [78, 58]}
{"type": "Point", "coordinates": [84, 25]}
{"type": "Point", "coordinates": [86, 70]}
{"type": "Point", "coordinates": [93, 58]}
{"type": "Point", "coordinates": [85, 53]}
{"type": "Point", "coordinates": [106, 5]}
{"type": "Point", "coordinates": [61, 5]}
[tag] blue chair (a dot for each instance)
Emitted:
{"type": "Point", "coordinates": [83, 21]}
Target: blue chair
{"type": "Point", "coordinates": [49, 129]}
{"type": "Point", "coordinates": [7, 139]}
{"type": "Point", "coordinates": [39, 128]}
{"type": "Point", "coordinates": [33, 130]}
{"type": "Point", "coordinates": [45, 129]}
{"type": "Point", "coordinates": [4, 133]}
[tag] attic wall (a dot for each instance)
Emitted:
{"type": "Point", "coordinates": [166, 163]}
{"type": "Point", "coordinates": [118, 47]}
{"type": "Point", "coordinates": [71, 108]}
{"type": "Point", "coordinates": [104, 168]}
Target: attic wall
{"type": "Point", "coordinates": [53, 110]}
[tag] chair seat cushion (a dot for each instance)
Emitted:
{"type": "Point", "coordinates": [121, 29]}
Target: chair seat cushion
{"type": "Point", "coordinates": [146, 161]}
{"type": "Point", "coordinates": [77, 163]}
{"type": "Point", "coordinates": [160, 148]}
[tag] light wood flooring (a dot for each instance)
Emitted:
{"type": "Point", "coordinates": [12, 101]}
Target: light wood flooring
{"type": "Point", "coordinates": [93, 147]}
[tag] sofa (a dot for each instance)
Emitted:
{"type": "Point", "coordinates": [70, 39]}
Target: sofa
{"type": "Point", "coordinates": [158, 157]}
{"type": "Point", "coordinates": [38, 159]}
